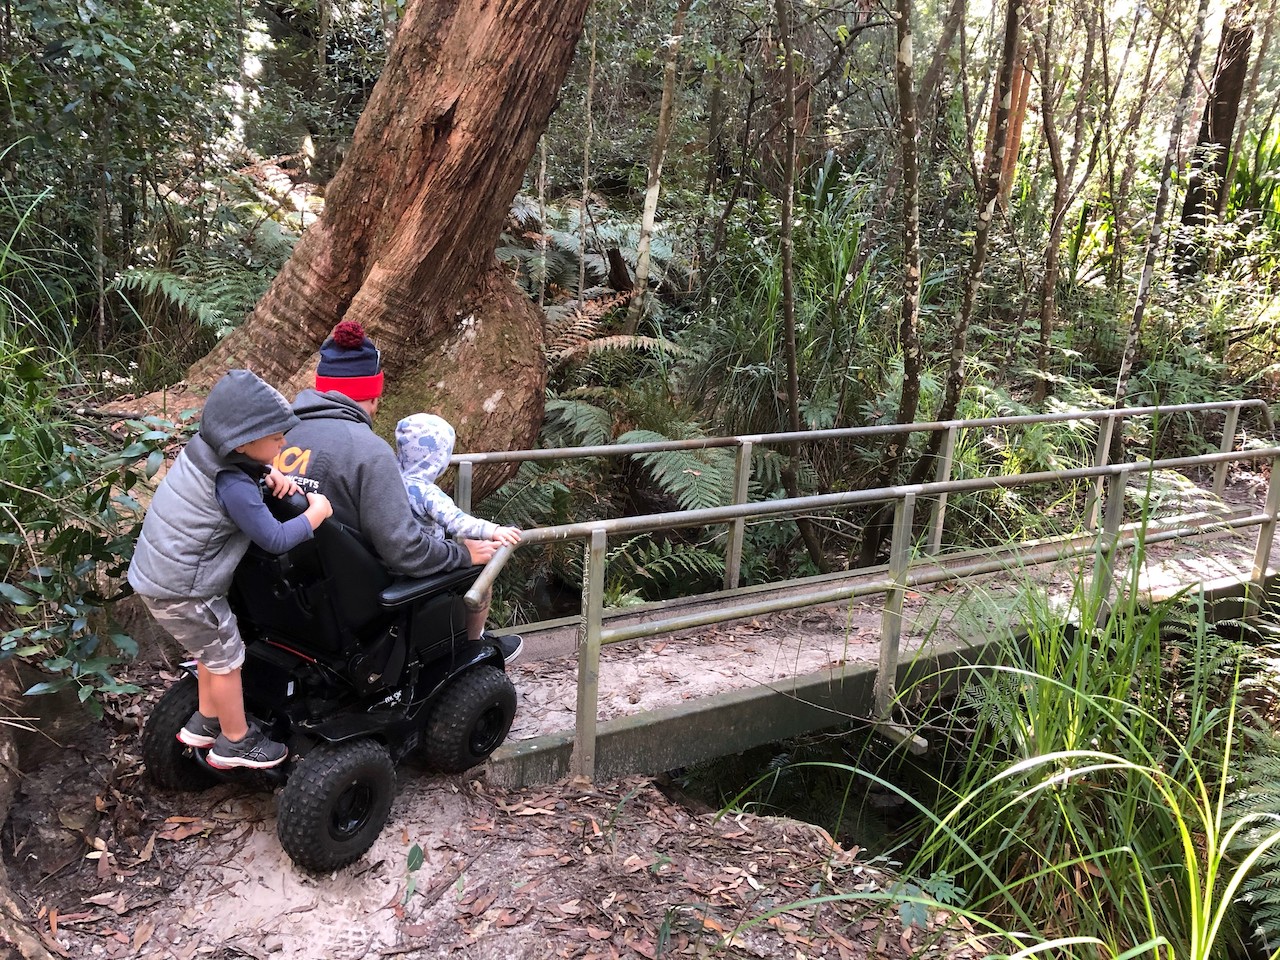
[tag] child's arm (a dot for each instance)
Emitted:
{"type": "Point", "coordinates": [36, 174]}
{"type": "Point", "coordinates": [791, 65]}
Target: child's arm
{"type": "Point", "coordinates": [242, 500]}
{"type": "Point", "coordinates": [430, 501]}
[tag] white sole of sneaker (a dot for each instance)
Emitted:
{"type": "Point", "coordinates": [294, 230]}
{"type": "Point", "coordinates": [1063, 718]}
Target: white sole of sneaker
{"type": "Point", "coordinates": [194, 740]}
{"type": "Point", "coordinates": [238, 763]}
{"type": "Point", "coordinates": [515, 654]}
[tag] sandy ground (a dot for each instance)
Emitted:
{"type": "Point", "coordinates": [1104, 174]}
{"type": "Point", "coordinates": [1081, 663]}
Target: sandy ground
{"type": "Point", "coordinates": [109, 867]}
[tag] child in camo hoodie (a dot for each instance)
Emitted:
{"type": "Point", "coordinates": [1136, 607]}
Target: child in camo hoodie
{"type": "Point", "coordinates": [424, 444]}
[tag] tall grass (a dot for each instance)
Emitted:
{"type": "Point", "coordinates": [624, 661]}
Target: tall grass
{"type": "Point", "coordinates": [1096, 777]}
{"type": "Point", "coordinates": [1091, 796]}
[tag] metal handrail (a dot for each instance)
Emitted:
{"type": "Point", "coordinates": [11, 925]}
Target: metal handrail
{"type": "Point", "coordinates": [746, 442]}
{"type": "Point", "coordinates": [592, 634]}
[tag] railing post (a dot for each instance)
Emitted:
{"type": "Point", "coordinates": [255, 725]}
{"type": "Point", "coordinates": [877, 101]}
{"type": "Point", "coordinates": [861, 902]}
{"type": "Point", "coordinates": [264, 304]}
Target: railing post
{"type": "Point", "coordinates": [1104, 564]}
{"type": "Point", "coordinates": [463, 498]}
{"type": "Point", "coordinates": [583, 762]}
{"type": "Point", "coordinates": [1106, 430]}
{"type": "Point", "coordinates": [1228, 444]}
{"type": "Point", "coordinates": [891, 621]}
{"type": "Point", "coordinates": [942, 475]}
{"type": "Point", "coordinates": [737, 528]}
{"type": "Point", "coordinates": [1255, 592]}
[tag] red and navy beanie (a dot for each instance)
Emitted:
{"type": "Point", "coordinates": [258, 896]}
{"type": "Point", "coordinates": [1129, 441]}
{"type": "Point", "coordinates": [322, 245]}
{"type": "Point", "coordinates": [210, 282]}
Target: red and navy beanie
{"type": "Point", "coordinates": [350, 363]}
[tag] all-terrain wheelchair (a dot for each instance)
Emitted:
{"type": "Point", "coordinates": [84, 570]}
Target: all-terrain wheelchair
{"type": "Point", "coordinates": [354, 670]}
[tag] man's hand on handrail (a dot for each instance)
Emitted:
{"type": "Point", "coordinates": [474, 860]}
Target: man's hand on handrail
{"type": "Point", "coordinates": [481, 550]}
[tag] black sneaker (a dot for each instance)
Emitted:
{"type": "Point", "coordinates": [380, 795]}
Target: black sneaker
{"type": "Point", "coordinates": [510, 645]}
{"type": "Point", "coordinates": [200, 731]}
{"type": "Point", "coordinates": [256, 751]}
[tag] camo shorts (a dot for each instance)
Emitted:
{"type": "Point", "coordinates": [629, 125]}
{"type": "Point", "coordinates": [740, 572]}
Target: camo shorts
{"type": "Point", "coordinates": [206, 628]}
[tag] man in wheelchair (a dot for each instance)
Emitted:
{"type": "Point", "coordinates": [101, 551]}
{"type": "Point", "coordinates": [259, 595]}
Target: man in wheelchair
{"type": "Point", "coordinates": [334, 451]}
{"type": "Point", "coordinates": [357, 653]}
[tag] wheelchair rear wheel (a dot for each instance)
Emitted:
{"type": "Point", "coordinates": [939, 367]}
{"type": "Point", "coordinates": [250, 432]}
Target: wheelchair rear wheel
{"type": "Point", "coordinates": [170, 763]}
{"type": "Point", "coordinates": [335, 804]}
{"type": "Point", "coordinates": [470, 719]}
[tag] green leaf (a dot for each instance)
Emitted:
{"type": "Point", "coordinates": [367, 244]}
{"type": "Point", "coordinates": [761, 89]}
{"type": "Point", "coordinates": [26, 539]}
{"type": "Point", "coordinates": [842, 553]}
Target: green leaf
{"type": "Point", "coordinates": [46, 686]}
{"type": "Point", "coordinates": [416, 858]}
{"type": "Point", "coordinates": [125, 644]}
{"type": "Point", "coordinates": [154, 462]}
{"type": "Point", "coordinates": [15, 596]}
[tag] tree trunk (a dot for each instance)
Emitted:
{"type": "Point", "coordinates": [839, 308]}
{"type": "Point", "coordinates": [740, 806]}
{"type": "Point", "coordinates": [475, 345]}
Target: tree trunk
{"type": "Point", "coordinates": [1120, 196]}
{"type": "Point", "coordinates": [931, 76]}
{"type": "Point", "coordinates": [1246, 111]}
{"type": "Point", "coordinates": [908, 330]}
{"type": "Point", "coordinates": [1063, 179]}
{"type": "Point", "coordinates": [586, 176]}
{"type": "Point", "coordinates": [1021, 89]}
{"type": "Point", "coordinates": [1209, 159]}
{"type": "Point", "coordinates": [988, 194]}
{"type": "Point", "coordinates": [412, 218]}
{"type": "Point", "coordinates": [790, 473]}
{"type": "Point", "coordinates": [1180, 115]}
{"type": "Point", "coordinates": [654, 183]}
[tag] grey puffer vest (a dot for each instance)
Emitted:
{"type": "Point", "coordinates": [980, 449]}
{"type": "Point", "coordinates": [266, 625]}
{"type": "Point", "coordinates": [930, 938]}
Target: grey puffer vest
{"type": "Point", "coordinates": [189, 546]}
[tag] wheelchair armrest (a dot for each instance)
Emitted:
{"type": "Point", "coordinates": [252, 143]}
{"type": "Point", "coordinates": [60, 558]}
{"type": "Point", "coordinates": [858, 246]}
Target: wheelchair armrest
{"type": "Point", "coordinates": [405, 589]}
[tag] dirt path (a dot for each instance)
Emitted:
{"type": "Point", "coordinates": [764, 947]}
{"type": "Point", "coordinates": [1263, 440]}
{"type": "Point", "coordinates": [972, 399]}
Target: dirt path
{"type": "Point", "coordinates": [109, 867]}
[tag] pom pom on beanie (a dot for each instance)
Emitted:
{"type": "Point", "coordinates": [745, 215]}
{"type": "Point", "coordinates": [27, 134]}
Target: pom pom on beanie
{"type": "Point", "coordinates": [350, 363]}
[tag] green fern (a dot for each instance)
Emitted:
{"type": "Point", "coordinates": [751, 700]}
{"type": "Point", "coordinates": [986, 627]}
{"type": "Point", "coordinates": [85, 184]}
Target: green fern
{"type": "Point", "coordinates": [698, 479]}
{"type": "Point", "coordinates": [660, 565]}
{"type": "Point", "coordinates": [576, 423]}
{"type": "Point", "coordinates": [214, 290]}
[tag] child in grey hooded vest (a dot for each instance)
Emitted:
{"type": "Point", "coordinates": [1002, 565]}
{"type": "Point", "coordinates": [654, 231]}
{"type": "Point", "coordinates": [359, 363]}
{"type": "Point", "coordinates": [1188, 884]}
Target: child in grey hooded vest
{"type": "Point", "coordinates": [424, 444]}
{"type": "Point", "coordinates": [200, 523]}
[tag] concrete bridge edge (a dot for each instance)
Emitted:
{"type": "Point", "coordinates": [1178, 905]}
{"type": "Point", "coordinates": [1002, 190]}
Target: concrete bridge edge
{"type": "Point", "coordinates": [735, 721]}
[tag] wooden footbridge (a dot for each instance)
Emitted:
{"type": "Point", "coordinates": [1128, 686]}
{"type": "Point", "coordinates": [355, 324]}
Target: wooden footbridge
{"type": "Point", "coordinates": [652, 688]}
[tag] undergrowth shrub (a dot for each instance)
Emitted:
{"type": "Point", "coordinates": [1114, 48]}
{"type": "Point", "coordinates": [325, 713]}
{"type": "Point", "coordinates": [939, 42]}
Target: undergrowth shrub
{"type": "Point", "coordinates": [68, 516]}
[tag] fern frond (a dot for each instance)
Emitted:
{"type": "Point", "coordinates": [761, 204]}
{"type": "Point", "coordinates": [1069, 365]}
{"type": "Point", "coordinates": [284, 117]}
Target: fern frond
{"type": "Point", "coordinates": [619, 342]}
{"type": "Point", "coordinates": [642, 561]}
{"type": "Point", "coordinates": [582, 423]}
{"type": "Point", "coordinates": [696, 478]}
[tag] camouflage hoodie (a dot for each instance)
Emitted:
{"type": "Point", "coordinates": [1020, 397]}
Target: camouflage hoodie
{"type": "Point", "coordinates": [424, 444]}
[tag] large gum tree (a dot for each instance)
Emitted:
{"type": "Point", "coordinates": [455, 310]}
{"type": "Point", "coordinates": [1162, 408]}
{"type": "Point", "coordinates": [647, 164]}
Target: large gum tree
{"type": "Point", "coordinates": [411, 219]}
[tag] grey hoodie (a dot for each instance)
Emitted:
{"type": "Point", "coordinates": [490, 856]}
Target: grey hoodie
{"type": "Point", "coordinates": [190, 546]}
{"type": "Point", "coordinates": [334, 451]}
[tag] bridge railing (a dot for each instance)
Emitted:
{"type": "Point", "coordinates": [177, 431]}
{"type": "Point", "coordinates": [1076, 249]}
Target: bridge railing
{"type": "Point", "coordinates": [900, 576]}
{"type": "Point", "coordinates": [1109, 422]}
